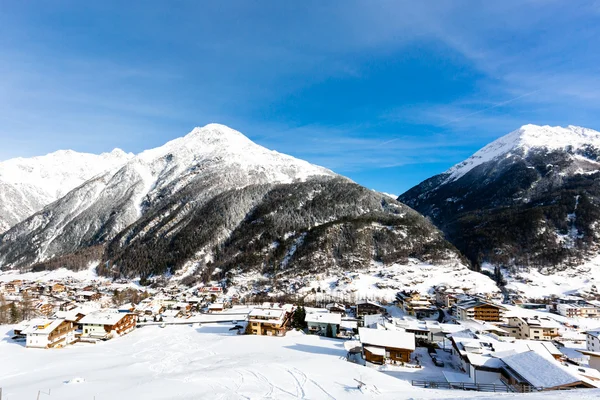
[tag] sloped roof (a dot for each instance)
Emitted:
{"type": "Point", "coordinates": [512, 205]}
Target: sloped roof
{"type": "Point", "coordinates": [539, 371]}
{"type": "Point", "coordinates": [383, 338]}
{"type": "Point", "coordinates": [325, 318]}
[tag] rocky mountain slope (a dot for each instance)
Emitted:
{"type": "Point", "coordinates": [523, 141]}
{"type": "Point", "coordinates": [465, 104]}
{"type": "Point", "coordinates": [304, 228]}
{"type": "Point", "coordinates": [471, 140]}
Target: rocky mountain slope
{"type": "Point", "coordinates": [213, 205]}
{"type": "Point", "coordinates": [529, 199]}
{"type": "Point", "coordinates": [29, 184]}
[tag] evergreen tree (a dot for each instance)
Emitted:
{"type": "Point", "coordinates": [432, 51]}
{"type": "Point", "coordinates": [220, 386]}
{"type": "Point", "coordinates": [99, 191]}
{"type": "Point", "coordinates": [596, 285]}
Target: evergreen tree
{"type": "Point", "coordinates": [15, 314]}
{"type": "Point", "coordinates": [298, 318]}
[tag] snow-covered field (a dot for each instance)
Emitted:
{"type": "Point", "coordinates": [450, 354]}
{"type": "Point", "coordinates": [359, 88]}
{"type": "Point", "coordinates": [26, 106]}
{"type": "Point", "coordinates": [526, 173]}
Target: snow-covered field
{"type": "Point", "coordinates": [378, 281]}
{"type": "Point", "coordinates": [181, 362]}
{"type": "Point", "coordinates": [534, 284]}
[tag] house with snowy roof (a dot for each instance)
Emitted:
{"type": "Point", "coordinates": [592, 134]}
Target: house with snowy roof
{"type": "Point", "coordinates": [104, 324]}
{"type": "Point", "coordinates": [537, 328]}
{"type": "Point", "coordinates": [49, 333]}
{"type": "Point", "coordinates": [380, 345]}
{"type": "Point", "coordinates": [318, 323]}
{"type": "Point", "coordinates": [366, 307]}
{"type": "Point", "coordinates": [270, 319]}
{"type": "Point", "coordinates": [531, 370]}
{"type": "Point", "coordinates": [480, 356]}
{"type": "Point", "coordinates": [479, 310]}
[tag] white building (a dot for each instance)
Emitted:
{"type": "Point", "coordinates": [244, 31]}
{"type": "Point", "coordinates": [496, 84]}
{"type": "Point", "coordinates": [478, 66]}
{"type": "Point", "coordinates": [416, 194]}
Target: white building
{"type": "Point", "coordinates": [46, 333]}
{"type": "Point", "coordinates": [593, 340]}
{"type": "Point", "coordinates": [318, 322]}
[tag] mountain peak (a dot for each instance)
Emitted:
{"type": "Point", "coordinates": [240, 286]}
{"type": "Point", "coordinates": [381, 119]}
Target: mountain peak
{"type": "Point", "coordinates": [528, 137]}
{"type": "Point", "coordinates": [213, 133]}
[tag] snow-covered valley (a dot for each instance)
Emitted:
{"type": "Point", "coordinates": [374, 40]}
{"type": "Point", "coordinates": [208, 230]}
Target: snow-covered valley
{"type": "Point", "coordinates": [210, 362]}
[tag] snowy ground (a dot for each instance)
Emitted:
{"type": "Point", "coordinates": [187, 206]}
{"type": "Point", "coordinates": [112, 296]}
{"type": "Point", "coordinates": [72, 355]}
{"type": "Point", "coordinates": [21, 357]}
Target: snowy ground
{"type": "Point", "coordinates": [385, 281]}
{"type": "Point", "coordinates": [181, 362]}
{"type": "Point", "coordinates": [378, 281]}
{"type": "Point", "coordinates": [530, 282]}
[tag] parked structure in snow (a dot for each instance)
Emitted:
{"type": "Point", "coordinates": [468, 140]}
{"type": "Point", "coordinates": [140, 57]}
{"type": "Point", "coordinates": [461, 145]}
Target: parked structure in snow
{"type": "Point", "coordinates": [380, 345]}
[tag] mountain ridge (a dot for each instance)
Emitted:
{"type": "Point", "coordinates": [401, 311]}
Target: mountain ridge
{"type": "Point", "coordinates": [527, 200]}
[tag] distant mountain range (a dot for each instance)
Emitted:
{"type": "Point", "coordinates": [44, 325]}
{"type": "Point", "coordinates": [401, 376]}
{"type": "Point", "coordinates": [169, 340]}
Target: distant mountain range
{"type": "Point", "coordinates": [214, 204]}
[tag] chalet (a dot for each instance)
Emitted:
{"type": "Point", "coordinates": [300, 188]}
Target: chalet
{"type": "Point", "coordinates": [366, 307]}
{"type": "Point", "coordinates": [149, 308]}
{"type": "Point", "coordinates": [336, 308]}
{"type": "Point", "coordinates": [273, 320]}
{"type": "Point", "coordinates": [216, 307]}
{"type": "Point", "coordinates": [58, 288]}
{"type": "Point", "coordinates": [48, 333]}
{"type": "Point", "coordinates": [446, 297]}
{"type": "Point", "coordinates": [532, 328]}
{"type": "Point", "coordinates": [44, 308]}
{"type": "Point", "coordinates": [531, 370]}
{"type": "Point", "coordinates": [593, 340]}
{"type": "Point", "coordinates": [11, 288]}
{"type": "Point", "coordinates": [479, 310]}
{"type": "Point", "coordinates": [415, 304]}
{"type": "Point", "coordinates": [318, 323]}
{"type": "Point", "coordinates": [107, 323]}
{"type": "Point", "coordinates": [88, 296]}
{"type": "Point", "coordinates": [380, 345]}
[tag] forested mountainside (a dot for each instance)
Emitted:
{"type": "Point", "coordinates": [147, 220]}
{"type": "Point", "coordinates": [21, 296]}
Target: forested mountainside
{"type": "Point", "coordinates": [531, 198]}
{"type": "Point", "coordinates": [310, 226]}
{"type": "Point", "coordinates": [215, 203]}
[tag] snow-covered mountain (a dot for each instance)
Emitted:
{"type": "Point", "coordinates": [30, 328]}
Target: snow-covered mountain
{"type": "Point", "coordinates": [526, 138]}
{"type": "Point", "coordinates": [213, 205]}
{"type": "Point", "coordinates": [528, 199]}
{"type": "Point", "coordinates": [206, 162]}
{"type": "Point", "coordinates": [29, 184]}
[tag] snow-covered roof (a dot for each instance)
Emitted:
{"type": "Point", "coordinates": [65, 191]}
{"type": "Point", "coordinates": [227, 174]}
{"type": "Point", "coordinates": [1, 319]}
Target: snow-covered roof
{"type": "Point", "coordinates": [103, 317]}
{"type": "Point", "coordinates": [325, 318]}
{"type": "Point", "coordinates": [378, 351]}
{"type": "Point", "coordinates": [480, 360]}
{"type": "Point", "coordinates": [539, 371]}
{"type": "Point", "coordinates": [31, 322]}
{"type": "Point", "coordinates": [44, 328]}
{"type": "Point", "coordinates": [383, 338]}
{"type": "Point", "coordinates": [71, 315]}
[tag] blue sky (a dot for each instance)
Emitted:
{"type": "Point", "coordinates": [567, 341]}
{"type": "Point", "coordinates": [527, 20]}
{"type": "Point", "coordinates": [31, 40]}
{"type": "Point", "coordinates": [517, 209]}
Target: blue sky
{"type": "Point", "coordinates": [386, 92]}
